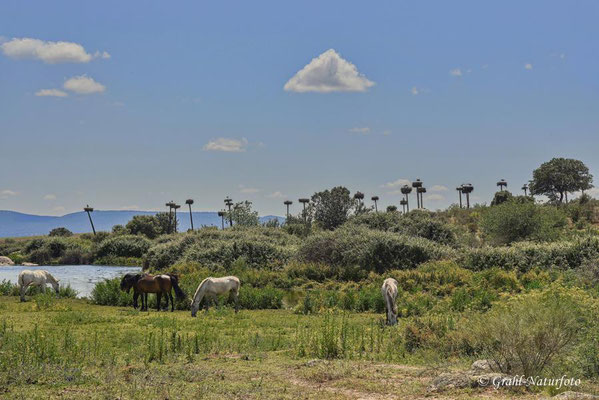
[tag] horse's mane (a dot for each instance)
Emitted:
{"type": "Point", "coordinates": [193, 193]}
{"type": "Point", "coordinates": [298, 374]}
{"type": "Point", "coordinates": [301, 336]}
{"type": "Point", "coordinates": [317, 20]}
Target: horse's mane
{"type": "Point", "coordinates": [199, 288]}
{"type": "Point", "coordinates": [49, 276]}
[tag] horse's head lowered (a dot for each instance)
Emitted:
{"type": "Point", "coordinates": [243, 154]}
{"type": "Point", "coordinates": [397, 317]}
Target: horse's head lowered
{"type": "Point", "coordinates": [53, 281]}
{"type": "Point", "coordinates": [129, 280]}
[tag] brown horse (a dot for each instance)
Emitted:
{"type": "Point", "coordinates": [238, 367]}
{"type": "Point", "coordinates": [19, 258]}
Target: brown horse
{"type": "Point", "coordinates": [143, 284]}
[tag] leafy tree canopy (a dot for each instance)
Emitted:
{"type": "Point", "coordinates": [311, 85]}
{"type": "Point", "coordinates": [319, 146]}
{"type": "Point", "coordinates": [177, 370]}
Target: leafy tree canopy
{"type": "Point", "coordinates": [150, 226]}
{"type": "Point", "coordinates": [62, 231]}
{"type": "Point", "coordinates": [331, 208]}
{"type": "Point", "coordinates": [242, 214]}
{"type": "Point", "coordinates": [559, 176]}
{"type": "Point", "coordinates": [501, 197]}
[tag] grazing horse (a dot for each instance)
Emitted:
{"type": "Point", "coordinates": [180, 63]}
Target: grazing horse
{"type": "Point", "coordinates": [143, 284]}
{"type": "Point", "coordinates": [211, 287]}
{"type": "Point", "coordinates": [38, 277]}
{"type": "Point", "coordinates": [389, 291]}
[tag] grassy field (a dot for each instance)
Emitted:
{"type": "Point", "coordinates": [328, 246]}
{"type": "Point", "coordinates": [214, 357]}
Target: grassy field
{"type": "Point", "coordinates": [66, 348]}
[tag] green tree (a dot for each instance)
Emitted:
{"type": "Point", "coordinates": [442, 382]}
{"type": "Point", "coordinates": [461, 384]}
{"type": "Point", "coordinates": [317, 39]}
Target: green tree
{"type": "Point", "coordinates": [145, 225]}
{"type": "Point", "coordinates": [62, 231]}
{"type": "Point", "coordinates": [150, 226]}
{"type": "Point", "coordinates": [242, 214]}
{"type": "Point", "coordinates": [559, 176]}
{"type": "Point", "coordinates": [163, 220]}
{"type": "Point", "coordinates": [501, 197]}
{"type": "Point", "coordinates": [119, 230]}
{"type": "Point", "coordinates": [331, 208]}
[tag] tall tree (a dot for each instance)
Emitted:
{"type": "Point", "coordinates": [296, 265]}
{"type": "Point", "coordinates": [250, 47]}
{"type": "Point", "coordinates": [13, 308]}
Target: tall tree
{"type": "Point", "coordinates": [243, 215]}
{"type": "Point", "coordinates": [332, 207]}
{"type": "Point", "coordinates": [559, 176]}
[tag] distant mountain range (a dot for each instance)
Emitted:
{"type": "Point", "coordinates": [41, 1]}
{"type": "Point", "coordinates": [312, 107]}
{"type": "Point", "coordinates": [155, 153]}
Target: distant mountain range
{"type": "Point", "coordinates": [14, 224]}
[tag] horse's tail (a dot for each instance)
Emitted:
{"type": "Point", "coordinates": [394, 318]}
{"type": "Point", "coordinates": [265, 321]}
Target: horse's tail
{"type": "Point", "coordinates": [178, 291]}
{"type": "Point", "coordinates": [390, 303]}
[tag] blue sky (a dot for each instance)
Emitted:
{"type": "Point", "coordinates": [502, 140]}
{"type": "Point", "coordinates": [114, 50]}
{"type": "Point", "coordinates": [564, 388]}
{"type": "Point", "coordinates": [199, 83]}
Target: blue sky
{"type": "Point", "coordinates": [153, 101]}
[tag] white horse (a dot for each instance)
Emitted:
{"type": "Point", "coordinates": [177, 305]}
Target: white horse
{"type": "Point", "coordinates": [211, 287]}
{"type": "Point", "coordinates": [389, 291]}
{"type": "Point", "coordinates": [38, 277]}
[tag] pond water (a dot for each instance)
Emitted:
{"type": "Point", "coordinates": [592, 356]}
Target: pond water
{"type": "Point", "coordinates": [82, 278]}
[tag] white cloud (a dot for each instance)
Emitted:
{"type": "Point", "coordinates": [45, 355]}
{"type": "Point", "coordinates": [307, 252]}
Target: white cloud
{"type": "Point", "coordinates": [415, 91]}
{"type": "Point", "coordinates": [59, 209]}
{"type": "Point", "coordinates": [6, 193]}
{"type": "Point", "coordinates": [528, 66]}
{"type": "Point", "coordinates": [50, 197]}
{"type": "Point", "coordinates": [248, 190]}
{"type": "Point", "coordinates": [51, 92]}
{"type": "Point", "coordinates": [226, 145]}
{"type": "Point", "coordinates": [386, 132]}
{"type": "Point", "coordinates": [439, 188]}
{"type": "Point", "coordinates": [456, 72]}
{"type": "Point", "coordinates": [365, 130]}
{"type": "Point", "coordinates": [48, 52]}
{"type": "Point", "coordinates": [328, 73]}
{"type": "Point", "coordinates": [396, 184]}
{"type": "Point", "coordinates": [105, 55]}
{"type": "Point", "coordinates": [276, 195]}
{"type": "Point", "coordinates": [435, 197]}
{"type": "Point", "coordinates": [83, 85]}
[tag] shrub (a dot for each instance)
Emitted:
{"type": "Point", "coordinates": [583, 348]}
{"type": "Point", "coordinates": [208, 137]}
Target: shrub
{"type": "Point", "coordinates": [514, 221]}
{"type": "Point", "coordinates": [371, 250]}
{"type": "Point", "coordinates": [56, 246]}
{"type": "Point", "coordinates": [146, 225]}
{"type": "Point", "coordinates": [124, 246]}
{"type": "Point", "coordinates": [260, 247]}
{"type": "Point", "coordinates": [529, 332]}
{"type": "Point", "coordinates": [524, 256]}
{"type": "Point", "coordinates": [109, 293]}
{"type": "Point", "coordinates": [260, 298]}
{"type": "Point", "coordinates": [63, 232]}
{"type": "Point", "coordinates": [416, 223]}
{"type": "Point", "coordinates": [6, 288]}
{"type": "Point", "coordinates": [310, 271]}
{"type": "Point", "coordinates": [41, 256]}
{"type": "Point", "coordinates": [74, 256]}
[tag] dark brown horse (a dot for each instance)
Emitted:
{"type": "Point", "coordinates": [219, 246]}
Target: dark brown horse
{"type": "Point", "coordinates": [143, 284]}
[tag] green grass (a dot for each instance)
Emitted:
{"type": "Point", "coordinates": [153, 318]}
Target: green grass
{"type": "Point", "coordinates": [73, 349]}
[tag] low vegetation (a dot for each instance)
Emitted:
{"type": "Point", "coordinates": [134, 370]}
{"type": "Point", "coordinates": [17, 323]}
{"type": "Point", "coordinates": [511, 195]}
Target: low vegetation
{"type": "Point", "coordinates": [515, 283]}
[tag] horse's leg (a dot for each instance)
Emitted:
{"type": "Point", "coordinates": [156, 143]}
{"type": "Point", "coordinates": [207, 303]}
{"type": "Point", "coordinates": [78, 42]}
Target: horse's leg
{"type": "Point", "coordinates": [135, 295]}
{"type": "Point", "coordinates": [170, 296]}
{"type": "Point", "coordinates": [158, 300]}
{"type": "Point", "coordinates": [144, 302]}
{"type": "Point", "coordinates": [166, 298]}
{"type": "Point", "coordinates": [207, 299]}
{"type": "Point", "coordinates": [23, 290]}
{"type": "Point", "coordinates": [236, 298]}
